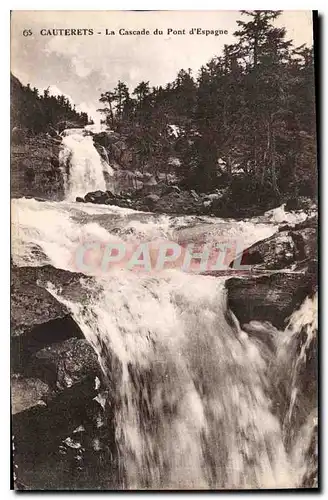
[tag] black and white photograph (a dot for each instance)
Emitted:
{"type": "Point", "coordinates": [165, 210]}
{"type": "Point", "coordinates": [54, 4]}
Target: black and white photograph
{"type": "Point", "coordinates": [164, 250]}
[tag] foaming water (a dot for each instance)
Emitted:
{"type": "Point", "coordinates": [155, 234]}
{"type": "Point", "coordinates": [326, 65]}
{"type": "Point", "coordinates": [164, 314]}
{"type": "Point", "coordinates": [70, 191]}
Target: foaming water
{"type": "Point", "coordinates": [50, 232]}
{"type": "Point", "coordinates": [191, 409]}
{"type": "Point", "coordinates": [279, 215]}
{"type": "Point", "coordinates": [297, 377]}
{"type": "Point", "coordinates": [81, 165]}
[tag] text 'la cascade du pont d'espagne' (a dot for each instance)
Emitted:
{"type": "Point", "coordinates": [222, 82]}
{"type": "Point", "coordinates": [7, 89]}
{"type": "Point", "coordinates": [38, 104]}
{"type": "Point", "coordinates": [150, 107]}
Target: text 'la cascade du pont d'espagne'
{"type": "Point", "coordinates": [131, 32]}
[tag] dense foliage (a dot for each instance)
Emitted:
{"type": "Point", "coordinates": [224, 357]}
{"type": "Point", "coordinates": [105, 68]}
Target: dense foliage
{"type": "Point", "coordinates": [246, 121]}
{"type": "Point", "coordinates": [34, 113]}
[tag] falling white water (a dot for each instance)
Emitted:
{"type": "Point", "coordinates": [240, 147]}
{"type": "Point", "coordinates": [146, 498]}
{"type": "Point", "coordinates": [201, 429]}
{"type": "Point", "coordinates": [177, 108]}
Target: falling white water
{"type": "Point", "coordinates": [81, 165]}
{"type": "Point", "coordinates": [296, 373]}
{"type": "Point", "coordinates": [303, 322]}
{"type": "Point", "coordinates": [190, 387]}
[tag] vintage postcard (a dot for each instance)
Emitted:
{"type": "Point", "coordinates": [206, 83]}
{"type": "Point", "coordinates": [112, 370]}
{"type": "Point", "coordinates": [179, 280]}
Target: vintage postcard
{"type": "Point", "coordinates": [163, 250]}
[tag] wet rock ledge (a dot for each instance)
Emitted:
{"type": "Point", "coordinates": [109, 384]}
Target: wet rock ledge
{"type": "Point", "coordinates": [61, 421]}
{"type": "Point", "coordinates": [282, 273]}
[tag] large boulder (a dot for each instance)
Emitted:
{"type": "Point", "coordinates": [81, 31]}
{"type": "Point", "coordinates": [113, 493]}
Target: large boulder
{"type": "Point", "coordinates": [270, 297]}
{"type": "Point", "coordinates": [62, 422]}
{"type": "Point", "coordinates": [276, 252]}
{"type": "Point", "coordinates": [283, 249]}
{"type": "Point", "coordinates": [48, 431]}
{"type": "Point", "coordinates": [31, 305]}
{"type": "Point", "coordinates": [273, 296]}
{"type": "Point", "coordinates": [98, 197]}
{"type": "Point", "coordinates": [37, 318]}
{"type": "Point", "coordinates": [306, 243]}
{"type": "Point", "coordinates": [175, 201]}
{"type": "Point", "coordinates": [64, 364]}
{"type": "Point", "coordinates": [152, 199]}
{"type": "Point", "coordinates": [27, 393]}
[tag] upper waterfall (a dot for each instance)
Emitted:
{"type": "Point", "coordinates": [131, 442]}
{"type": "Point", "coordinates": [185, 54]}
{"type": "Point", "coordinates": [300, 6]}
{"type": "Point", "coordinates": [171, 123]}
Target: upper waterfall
{"type": "Point", "coordinates": [82, 167]}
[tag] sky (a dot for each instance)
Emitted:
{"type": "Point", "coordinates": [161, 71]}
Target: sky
{"type": "Point", "coordinates": [82, 67]}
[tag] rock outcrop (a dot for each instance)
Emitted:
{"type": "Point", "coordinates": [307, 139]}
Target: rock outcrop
{"type": "Point", "coordinates": [60, 410]}
{"type": "Point", "coordinates": [160, 199]}
{"type": "Point", "coordinates": [282, 273]}
{"type": "Point", "coordinates": [37, 318]}
{"type": "Point", "coordinates": [111, 145]}
{"type": "Point", "coordinates": [272, 297]}
{"type": "Point", "coordinates": [35, 169]}
{"type": "Point", "coordinates": [289, 246]}
{"type": "Point", "coordinates": [64, 364]}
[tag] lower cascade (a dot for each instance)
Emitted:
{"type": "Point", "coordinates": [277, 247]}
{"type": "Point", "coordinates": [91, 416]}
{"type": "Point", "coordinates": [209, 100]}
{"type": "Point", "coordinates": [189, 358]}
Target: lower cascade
{"type": "Point", "coordinates": [197, 402]}
{"type": "Point", "coordinates": [192, 394]}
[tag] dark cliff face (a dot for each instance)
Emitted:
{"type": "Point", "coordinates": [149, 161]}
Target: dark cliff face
{"type": "Point", "coordinates": [35, 169]}
{"type": "Point", "coordinates": [61, 424]}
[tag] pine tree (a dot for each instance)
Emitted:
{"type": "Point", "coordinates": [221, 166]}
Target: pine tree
{"type": "Point", "coordinates": [247, 121]}
{"type": "Point", "coordinates": [108, 98]}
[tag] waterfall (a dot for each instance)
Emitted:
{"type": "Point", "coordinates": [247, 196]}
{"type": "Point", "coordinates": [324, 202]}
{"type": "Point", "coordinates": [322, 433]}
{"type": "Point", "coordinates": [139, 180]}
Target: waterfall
{"type": "Point", "coordinates": [192, 409]}
{"type": "Point", "coordinates": [296, 373]}
{"type": "Point", "coordinates": [194, 397]}
{"type": "Point", "coordinates": [81, 165]}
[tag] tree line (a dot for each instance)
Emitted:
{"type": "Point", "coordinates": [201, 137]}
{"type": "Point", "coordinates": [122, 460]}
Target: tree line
{"type": "Point", "coordinates": [34, 113]}
{"type": "Point", "coordinates": [246, 120]}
